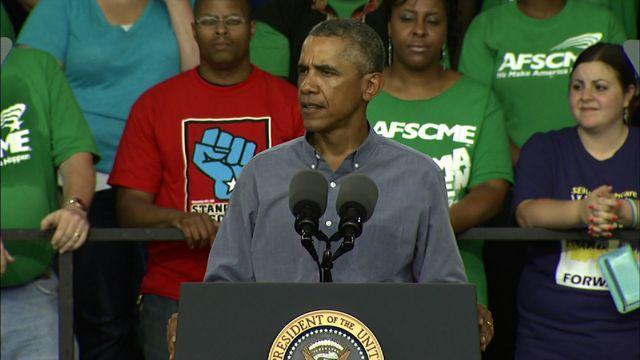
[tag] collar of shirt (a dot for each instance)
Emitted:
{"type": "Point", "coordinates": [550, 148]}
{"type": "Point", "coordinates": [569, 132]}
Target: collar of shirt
{"type": "Point", "coordinates": [351, 163]}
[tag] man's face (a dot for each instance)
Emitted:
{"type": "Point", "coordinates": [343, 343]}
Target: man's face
{"type": "Point", "coordinates": [222, 30]}
{"type": "Point", "coordinates": [330, 88]}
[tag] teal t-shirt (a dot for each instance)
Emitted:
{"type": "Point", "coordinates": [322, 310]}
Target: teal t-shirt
{"type": "Point", "coordinates": [42, 126]}
{"type": "Point", "coordinates": [625, 10]}
{"type": "Point", "coordinates": [527, 61]}
{"type": "Point", "coordinates": [108, 67]}
{"type": "Point", "coordinates": [463, 131]}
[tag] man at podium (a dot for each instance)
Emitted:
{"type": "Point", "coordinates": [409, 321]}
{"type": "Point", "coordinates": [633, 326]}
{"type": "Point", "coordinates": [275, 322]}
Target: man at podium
{"type": "Point", "coordinates": [408, 238]}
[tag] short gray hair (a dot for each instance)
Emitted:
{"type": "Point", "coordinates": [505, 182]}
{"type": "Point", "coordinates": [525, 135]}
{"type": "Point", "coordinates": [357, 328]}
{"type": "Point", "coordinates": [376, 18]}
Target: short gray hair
{"type": "Point", "coordinates": [367, 51]}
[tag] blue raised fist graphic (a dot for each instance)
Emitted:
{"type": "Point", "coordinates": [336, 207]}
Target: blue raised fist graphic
{"type": "Point", "coordinates": [221, 156]}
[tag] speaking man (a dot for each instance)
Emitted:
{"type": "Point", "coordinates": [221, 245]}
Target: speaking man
{"type": "Point", "coordinates": [409, 236]}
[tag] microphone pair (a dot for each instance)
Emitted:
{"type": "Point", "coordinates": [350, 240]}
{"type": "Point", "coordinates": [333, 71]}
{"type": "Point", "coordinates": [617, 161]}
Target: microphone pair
{"type": "Point", "coordinates": [355, 203]}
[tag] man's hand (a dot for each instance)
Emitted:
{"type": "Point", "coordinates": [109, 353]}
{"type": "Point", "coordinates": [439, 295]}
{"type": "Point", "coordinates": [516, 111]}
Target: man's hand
{"type": "Point", "coordinates": [485, 323]}
{"type": "Point", "coordinates": [221, 157]}
{"type": "Point", "coordinates": [5, 259]}
{"type": "Point", "coordinates": [199, 230]}
{"type": "Point", "coordinates": [172, 329]}
{"type": "Point", "coordinates": [72, 228]}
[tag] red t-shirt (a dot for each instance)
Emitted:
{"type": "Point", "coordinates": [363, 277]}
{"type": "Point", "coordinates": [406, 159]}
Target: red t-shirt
{"type": "Point", "coordinates": [186, 142]}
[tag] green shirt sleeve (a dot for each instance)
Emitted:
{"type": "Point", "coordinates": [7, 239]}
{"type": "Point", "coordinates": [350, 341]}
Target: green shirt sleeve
{"type": "Point", "coordinates": [477, 59]}
{"type": "Point", "coordinates": [626, 11]}
{"type": "Point", "coordinates": [70, 133]}
{"type": "Point", "coordinates": [616, 31]}
{"type": "Point", "coordinates": [270, 50]}
{"type": "Point", "coordinates": [491, 159]}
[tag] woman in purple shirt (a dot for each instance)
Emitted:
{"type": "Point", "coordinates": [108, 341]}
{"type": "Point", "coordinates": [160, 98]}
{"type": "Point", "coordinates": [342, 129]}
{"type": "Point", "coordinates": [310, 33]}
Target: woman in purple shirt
{"type": "Point", "coordinates": [585, 177]}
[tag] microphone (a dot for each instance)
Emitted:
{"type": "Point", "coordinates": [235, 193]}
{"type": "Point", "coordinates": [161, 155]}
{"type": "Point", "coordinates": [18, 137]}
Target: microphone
{"type": "Point", "coordinates": [355, 204]}
{"type": "Point", "coordinates": [307, 200]}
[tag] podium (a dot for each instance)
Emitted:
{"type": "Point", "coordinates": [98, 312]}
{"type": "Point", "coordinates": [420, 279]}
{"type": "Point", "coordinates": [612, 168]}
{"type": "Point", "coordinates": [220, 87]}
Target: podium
{"type": "Point", "coordinates": [273, 321]}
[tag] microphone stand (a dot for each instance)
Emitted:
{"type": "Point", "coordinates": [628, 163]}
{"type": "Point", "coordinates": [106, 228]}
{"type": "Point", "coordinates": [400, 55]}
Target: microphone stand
{"type": "Point", "coordinates": [328, 257]}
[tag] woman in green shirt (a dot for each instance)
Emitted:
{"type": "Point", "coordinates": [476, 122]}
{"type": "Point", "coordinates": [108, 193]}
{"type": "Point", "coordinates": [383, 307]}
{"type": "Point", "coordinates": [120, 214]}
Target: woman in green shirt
{"type": "Point", "coordinates": [450, 117]}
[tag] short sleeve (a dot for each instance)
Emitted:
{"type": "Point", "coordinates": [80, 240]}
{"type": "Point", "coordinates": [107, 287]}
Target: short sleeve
{"type": "Point", "coordinates": [70, 132]}
{"type": "Point", "coordinates": [270, 50]}
{"type": "Point", "coordinates": [138, 163]}
{"type": "Point", "coordinates": [477, 59]}
{"type": "Point", "coordinates": [491, 158]}
{"type": "Point", "coordinates": [534, 170]}
{"type": "Point", "coordinates": [47, 28]}
{"type": "Point", "coordinates": [616, 31]}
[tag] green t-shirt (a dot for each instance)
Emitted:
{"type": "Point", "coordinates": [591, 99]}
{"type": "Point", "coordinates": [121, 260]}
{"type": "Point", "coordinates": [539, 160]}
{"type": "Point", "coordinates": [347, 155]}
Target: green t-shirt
{"type": "Point", "coordinates": [42, 126]}
{"type": "Point", "coordinates": [463, 131]}
{"type": "Point", "coordinates": [625, 10]}
{"type": "Point", "coordinates": [6, 28]}
{"type": "Point", "coordinates": [527, 61]}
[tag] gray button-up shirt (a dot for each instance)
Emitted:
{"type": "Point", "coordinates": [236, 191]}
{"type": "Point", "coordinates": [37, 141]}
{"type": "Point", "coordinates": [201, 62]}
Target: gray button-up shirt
{"type": "Point", "coordinates": [408, 239]}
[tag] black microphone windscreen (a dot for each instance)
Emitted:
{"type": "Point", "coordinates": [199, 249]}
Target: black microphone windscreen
{"type": "Point", "coordinates": [360, 189]}
{"type": "Point", "coordinates": [308, 186]}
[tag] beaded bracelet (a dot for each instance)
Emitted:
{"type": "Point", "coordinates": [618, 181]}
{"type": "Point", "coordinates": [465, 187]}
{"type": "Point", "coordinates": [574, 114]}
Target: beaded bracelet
{"type": "Point", "coordinates": [635, 216]}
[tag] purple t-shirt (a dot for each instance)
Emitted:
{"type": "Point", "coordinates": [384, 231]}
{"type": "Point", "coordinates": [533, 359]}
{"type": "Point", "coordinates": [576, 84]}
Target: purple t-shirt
{"type": "Point", "coordinates": [565, 308]}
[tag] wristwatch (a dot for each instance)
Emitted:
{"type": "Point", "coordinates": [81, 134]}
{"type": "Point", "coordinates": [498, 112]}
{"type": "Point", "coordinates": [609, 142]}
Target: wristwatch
{"type": "Point", "coordinates": [77, 203]}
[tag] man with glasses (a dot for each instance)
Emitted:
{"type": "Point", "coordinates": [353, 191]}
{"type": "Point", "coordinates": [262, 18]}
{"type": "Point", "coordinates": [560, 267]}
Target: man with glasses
{"type": "Point", "coordinates": [184, 147]}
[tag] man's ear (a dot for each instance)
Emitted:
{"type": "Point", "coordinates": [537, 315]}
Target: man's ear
{"type": "Point", "coordinates": [372, 84]}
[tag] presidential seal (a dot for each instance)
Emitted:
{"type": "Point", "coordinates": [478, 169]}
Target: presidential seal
{"type": "Point", "coordinates": [326, 335]}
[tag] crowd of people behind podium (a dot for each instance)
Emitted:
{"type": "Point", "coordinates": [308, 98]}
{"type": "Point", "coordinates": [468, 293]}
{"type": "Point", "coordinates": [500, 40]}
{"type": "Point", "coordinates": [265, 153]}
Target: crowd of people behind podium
{"type": "Point", "coordinates": [146, 113]}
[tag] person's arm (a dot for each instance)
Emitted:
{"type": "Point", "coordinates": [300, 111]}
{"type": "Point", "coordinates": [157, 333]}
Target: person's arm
{"type": "Point", "coordinates": [70, 221]}
{"type": "Point", "coordinates": [600, 211]}
{"type": "Point", "coordinates": [551, 213]}
{"type": "Point", "coordinates": [181, 14]}
{"type": "Point", "coordinates": [136, 208]}
{"type": "Point", "coordinates": [482, 203]}
{"type": "Point", "coordinates": [73, 153]}
{"type": "Point", "coordinates": [5, 258]}
{"type": "Point", "coordinates": [616, 33]}
{"type": "Point", "coordinates": [491, 171]}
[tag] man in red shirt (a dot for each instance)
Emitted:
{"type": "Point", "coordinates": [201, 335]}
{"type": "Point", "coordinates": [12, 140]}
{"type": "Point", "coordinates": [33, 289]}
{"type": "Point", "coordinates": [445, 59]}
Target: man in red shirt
{"type": "Point", "coordinates": [184, 147]}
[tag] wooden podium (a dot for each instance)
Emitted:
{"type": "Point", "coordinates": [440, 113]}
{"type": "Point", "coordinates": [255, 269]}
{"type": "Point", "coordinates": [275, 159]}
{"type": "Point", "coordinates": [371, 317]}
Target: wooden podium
{"type": "Point", "coordinates": [273, 321]}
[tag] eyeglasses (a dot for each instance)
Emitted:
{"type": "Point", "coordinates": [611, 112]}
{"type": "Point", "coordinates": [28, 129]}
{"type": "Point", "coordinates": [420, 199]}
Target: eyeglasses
{"type": "Point", "coordinates": [214, 21]}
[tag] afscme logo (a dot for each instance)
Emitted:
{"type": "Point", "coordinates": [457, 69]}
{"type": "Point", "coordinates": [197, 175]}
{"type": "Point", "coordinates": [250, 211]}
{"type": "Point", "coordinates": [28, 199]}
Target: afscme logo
{"type": "Point", "coordinates": [557, 61]}
{"type": "Point", "coordinates": [516, 62]}
{"type": "Point", "coordinates": [581, 41]}
{"type": "Point", "coordinates": [458, 133]}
